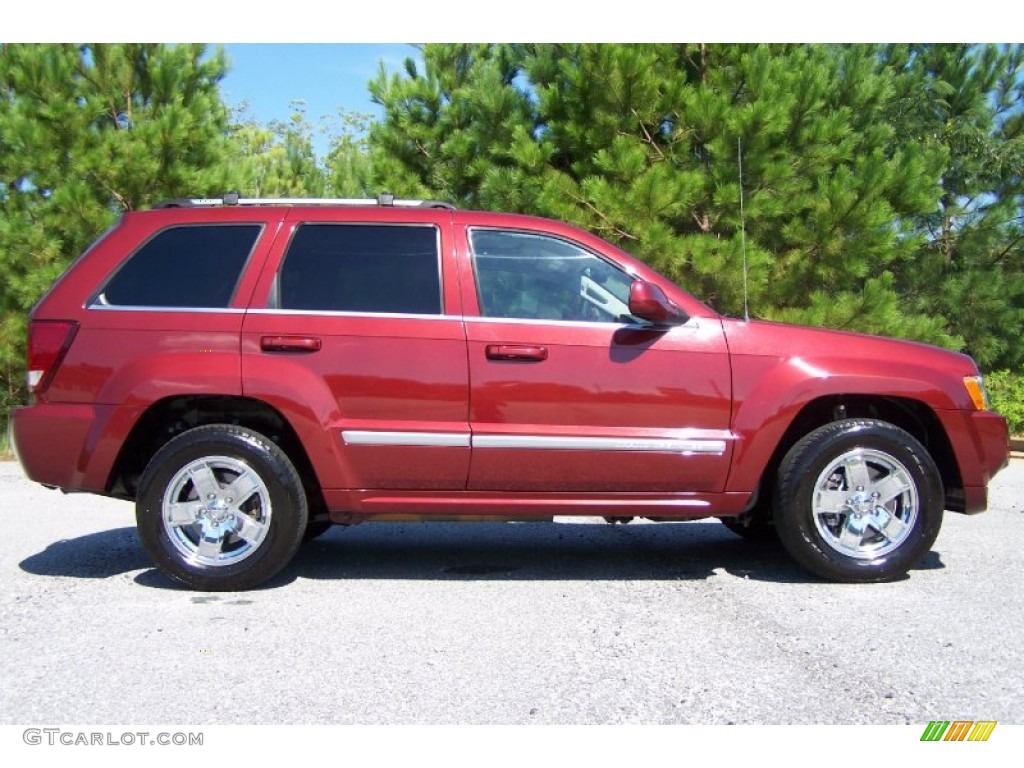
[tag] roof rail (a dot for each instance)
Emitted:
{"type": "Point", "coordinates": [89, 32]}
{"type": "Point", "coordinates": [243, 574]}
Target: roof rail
{"type": "Point", "coordinates": [384, 200]}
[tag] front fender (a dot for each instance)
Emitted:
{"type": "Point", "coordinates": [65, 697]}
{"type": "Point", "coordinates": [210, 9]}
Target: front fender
{"type": "Point", "coordinates": [801, 366]}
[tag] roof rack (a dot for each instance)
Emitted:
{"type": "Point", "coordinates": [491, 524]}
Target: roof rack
{"type": "Point", "coordinates": [384, 200]}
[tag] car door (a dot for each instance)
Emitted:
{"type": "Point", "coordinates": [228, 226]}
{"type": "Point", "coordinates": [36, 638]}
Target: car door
{"type": "Point", "coordinates": [568, 393]}
{"type": "Point", "coordinates": [355, 337]}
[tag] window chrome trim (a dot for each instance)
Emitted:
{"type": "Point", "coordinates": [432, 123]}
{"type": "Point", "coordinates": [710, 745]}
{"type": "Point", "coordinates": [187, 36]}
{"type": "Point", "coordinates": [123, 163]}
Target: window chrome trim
{"type": "Point", "coordinates": [141, 308]}
{"type": "Point", "coordinates": [691, 324]}
{"type": "Point", "coordinates": [354, 315]}
{"type": "Point", "coordinates": [413, 439]}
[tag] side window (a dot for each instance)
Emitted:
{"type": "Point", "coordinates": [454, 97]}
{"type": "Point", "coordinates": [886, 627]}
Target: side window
{"type": "Point", "coordinates": [196, 266]}
{"type": "Point", "coordinates": [536, 277]}
{"type": "Point", "coordinates": [361, 268]}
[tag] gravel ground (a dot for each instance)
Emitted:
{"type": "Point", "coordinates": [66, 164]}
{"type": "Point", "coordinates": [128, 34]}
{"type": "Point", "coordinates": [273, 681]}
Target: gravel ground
{"type": "Point", "coordinates": [574, 623]}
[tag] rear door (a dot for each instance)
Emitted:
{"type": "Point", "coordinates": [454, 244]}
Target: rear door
{"type": "Point", "coordinates": [356, 332]}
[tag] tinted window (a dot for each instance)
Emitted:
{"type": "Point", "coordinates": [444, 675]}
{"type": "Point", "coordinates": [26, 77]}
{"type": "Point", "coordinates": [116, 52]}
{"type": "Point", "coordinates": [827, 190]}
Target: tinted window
{"type": "Point", "coordinates": [362, 268]}
{"type": "Point", "coordinates": [535, 277]}
{"type": "Point", "coordinates": [192, 266]}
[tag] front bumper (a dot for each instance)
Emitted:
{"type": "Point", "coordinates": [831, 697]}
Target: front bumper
{"type": "Point", "coordinates": [981, 444]}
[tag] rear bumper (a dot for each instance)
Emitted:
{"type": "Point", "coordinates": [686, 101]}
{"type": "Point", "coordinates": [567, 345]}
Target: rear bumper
{"type": "Point", "coordinates": [981, 444]}
{"type": "Point", "coordinates": [61, 445]}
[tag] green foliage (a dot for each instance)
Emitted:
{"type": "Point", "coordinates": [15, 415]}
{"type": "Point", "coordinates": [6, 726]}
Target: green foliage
{"type": "Point", "coordinates": [278, 160]}
{"type": "Point", "coordinates": [87, 132]}
{"type": "Point", "coordinates": [90, 131]}
{"type": "Point", "coordinates": [967, 103]}
{"type": "Point", "coordinates": [640, 144]}
{"type": "Point", "coordinates": [445, 130]}
{"type": "Point", "coordinates": [347, 163]}
{"type": "Point", "coordinates": [883, 185]}
{"type": "Point", "coordinates": [1006, 391]}
{"type": "Point", "coordinates": [11, 395]}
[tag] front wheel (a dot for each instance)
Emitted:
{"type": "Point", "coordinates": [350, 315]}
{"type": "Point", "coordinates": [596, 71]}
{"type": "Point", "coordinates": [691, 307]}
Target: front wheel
{"type": "Point", "coordinates": [858, 501]}
{"type": "Point", "coordinates": [221, 508]}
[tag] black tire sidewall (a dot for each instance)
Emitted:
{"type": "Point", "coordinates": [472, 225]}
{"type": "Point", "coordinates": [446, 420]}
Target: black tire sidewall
{"type": "Point", "coordinates": [796, 487]}
{"type": "Point", "coordinates": [288, 502]}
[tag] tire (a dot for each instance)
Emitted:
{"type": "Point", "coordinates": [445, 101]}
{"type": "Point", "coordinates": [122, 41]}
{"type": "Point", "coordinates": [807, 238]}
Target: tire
{"type": "Point", "coordinates": [221, 508]}
{"type": "Point", "coordinates": [858, 501]}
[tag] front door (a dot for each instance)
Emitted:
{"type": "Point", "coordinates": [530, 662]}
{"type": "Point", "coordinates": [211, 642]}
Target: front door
{"type": "Point", "coordinates": [568, 393]}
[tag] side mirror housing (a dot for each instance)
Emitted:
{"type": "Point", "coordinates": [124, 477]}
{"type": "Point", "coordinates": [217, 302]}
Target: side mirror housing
{"type": "Point", "coordinates": [648, 302]}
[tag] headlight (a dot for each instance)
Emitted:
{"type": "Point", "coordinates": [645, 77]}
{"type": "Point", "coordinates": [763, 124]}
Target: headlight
{"type": "Point", "coordinates": [976, 389]}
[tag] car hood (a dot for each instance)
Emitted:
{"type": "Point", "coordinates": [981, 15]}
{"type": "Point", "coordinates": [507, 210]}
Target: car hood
{"type": "Point", "coordinates": [875, 362]}
{"type": "Point", "coordinates": [767, 338]}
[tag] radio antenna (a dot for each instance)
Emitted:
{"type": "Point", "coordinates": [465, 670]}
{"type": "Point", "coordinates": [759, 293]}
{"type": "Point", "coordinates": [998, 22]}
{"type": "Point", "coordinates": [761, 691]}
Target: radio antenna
{"type": "Point", "coordinates": [743, 232]}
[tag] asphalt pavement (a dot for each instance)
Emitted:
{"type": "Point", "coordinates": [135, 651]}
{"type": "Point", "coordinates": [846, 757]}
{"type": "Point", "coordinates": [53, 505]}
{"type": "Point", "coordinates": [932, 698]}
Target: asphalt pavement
{"type": "Point", "coordinates": [572, 623]}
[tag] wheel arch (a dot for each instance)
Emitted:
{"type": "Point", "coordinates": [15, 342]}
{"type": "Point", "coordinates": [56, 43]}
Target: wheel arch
{"type": "Point", "coordinates": [912, 416]}
{"type": "Point", "coordinates": [171, 416]}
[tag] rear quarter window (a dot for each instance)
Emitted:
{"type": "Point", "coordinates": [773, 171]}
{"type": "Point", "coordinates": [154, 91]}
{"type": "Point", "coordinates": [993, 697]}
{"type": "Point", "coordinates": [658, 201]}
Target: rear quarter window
{"type": "Point", "coordinates": [191, 266]}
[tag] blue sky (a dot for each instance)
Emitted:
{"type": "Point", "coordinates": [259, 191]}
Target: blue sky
{"type": "Point", "coordinates": [327, 77]}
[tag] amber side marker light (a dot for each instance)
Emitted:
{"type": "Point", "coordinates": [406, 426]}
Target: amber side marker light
{"type": "Point", "coordinates": [976, 389]}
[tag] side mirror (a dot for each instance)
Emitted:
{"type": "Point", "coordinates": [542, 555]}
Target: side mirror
{"type": "Point", "coordinates": [648, 302]}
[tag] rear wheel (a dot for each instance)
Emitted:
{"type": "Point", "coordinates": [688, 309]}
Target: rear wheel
{"type": "Point", "coordinates": [858, 501]}
{"type": "Point", "coordinates": [221, 507]}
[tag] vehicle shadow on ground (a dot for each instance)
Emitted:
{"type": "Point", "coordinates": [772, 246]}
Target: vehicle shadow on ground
{"type": "Point", "coordinates": [480, 551]}
{"type": "Point", "coordinates": [94, 556]}
{"type": "Point", "coordinates": [525, 551]}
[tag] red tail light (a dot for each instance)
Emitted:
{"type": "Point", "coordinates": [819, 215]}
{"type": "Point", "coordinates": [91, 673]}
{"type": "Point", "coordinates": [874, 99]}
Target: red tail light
{"type": "Point", "coordinates": [48, 341]}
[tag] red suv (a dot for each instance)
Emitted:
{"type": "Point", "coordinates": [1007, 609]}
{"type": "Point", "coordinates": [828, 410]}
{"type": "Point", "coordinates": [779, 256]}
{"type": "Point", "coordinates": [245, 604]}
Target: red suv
{"type": "Point", "coordinates": [250, 372]}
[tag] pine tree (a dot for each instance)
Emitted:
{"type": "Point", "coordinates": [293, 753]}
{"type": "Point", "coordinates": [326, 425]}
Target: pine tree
{"type": "Point", "coordinates": [87, 132]}
{"type": "Point", "coordinates": [277, 160]}
{"type": "Point", "coordinates": [640, 144]}
{"type": "Point", "coordinates": [348, 163]}
{"type": "Point", "coordinates": [968, 103]}
{"type": "Point", "coordinates": [444, 130]}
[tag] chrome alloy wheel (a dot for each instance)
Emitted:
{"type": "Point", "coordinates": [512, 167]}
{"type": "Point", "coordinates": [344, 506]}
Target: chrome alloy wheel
{"type": "Point", "coordinates": [865, 504]}
{"type": "Point", "coordinates": [216, 511]}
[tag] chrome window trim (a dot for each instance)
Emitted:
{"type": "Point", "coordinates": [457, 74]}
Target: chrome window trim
{"type": "Point", "coordinates": [355, 315]}
{"type": "Point", "coordinates": [141, 308]}
{"type": "Point", "coordinates": [690, 324]}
